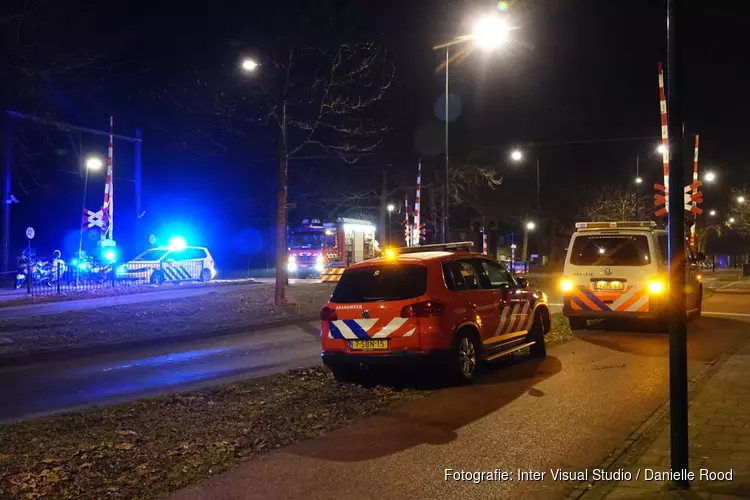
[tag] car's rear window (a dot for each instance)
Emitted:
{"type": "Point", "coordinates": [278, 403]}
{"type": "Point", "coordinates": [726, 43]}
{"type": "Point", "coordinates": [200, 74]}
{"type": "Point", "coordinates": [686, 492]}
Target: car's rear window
{"type": "Point", "coordinates": [381, 283]}
{"type": "Point", "coordinates": [610, 250]}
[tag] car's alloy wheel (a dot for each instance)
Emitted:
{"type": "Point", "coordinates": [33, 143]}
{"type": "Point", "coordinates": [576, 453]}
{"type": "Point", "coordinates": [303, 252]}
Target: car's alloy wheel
{"type": "Point", "coordinates": [467, 358]}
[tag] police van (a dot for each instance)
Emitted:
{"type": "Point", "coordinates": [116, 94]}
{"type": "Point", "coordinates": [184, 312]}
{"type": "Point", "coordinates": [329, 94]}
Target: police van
{"type": "Point", "coordinates": [619, 270]}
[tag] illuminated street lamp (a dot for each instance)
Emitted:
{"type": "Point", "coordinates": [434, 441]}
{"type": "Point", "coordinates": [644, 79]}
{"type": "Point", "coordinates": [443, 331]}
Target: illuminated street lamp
{"type": "Point", "coordinates": [740, 199]}
{"type": "Point", "coordinates": [489, 33]}
{"type": "Point", "coordinates": [516, 155]}
{"type": "Point", "coordinates": [709, 177]}
{"type": "Point", "coordinates": [249, 65]}
{"type": "Point", "coordinates": [661, 149]}
{"type": "Point", "coordinates": [638, 180]}
{"type": "Point", "coordinates": [93, 163]}
{"type": "Point", "coordinates": [712, 213]}
{"type": "Point", "coordinates": [731, 220]}
{"type": "Point", "coordinates": [530, 226]}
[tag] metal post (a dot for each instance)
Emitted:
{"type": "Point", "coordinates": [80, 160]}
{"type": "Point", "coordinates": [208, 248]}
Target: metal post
{"type": "Point", "coordinates": [83, 208]}
{"type": "Point", "coordinates": [138, 180]}
{"type": "Point", "coordinates": [7, 195]}
{"type": "Point", "coordinates": [445, 194]}
{"type": "Point", "coordinates": [538, 186]}
{"type": "Point", "coordinates": [637, 185]}
{"type": "Point", "coordinates": [678, 387]}
{"type": "Point", "coordinates": [387, 234]}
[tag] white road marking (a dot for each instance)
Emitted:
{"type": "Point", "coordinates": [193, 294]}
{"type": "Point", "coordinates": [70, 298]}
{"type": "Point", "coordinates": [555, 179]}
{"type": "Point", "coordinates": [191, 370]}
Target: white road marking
{"type": "Point", "coordinates": [711, 313]}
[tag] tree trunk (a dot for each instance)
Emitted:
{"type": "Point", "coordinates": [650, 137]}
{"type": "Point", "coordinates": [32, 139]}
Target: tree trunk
{"type": "Point", "coordinates": [280, 290]}
{"type": "Point", "coordinates": [384, 229]}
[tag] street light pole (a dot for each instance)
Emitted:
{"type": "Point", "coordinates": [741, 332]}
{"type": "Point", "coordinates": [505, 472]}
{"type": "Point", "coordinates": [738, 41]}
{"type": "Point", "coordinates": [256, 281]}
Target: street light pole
{"type": "Point", "coordinates": [538, 186]}
{"type": "Point", "coordinates": [445, 190]}
{"type": "Point", "coordinates": [678, 384]}
{"type": "Point", "coordinates": [637, 184]}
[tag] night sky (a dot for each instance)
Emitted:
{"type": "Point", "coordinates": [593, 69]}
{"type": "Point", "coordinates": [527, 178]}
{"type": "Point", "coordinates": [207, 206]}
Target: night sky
{"type": "Point", "coordinates": [577, 72]}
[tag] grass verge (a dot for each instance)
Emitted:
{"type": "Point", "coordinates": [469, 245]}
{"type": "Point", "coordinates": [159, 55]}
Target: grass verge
{"type": "Point", "coordinates": [217, 309]}
{"type": "Point", "coordinates": [560, 332]}
{"type": "Point", "coordinates": [20, 297]}
{"type": "Point", "coordinates": [155, 445]}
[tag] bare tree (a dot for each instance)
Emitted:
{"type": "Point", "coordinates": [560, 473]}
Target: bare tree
{"type": "Point", "coordinates": [615, 204]}
{"type": "Point", "coordinates": [739, 212]}
{"type": "Point", "coordinates": [311, 95]}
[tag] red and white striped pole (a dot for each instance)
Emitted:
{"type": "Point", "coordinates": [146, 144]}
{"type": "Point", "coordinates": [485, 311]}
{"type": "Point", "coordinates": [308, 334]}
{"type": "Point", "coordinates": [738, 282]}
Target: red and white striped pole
{"type": "Point", "coordinates": [108, 208]}
{"type": "Point", "coordinates": [417, 229]}
{"type": "Point", "coordinates": [407, 226]}
{"type": "Point", "coordinates": [695, 190]}
{"type": "Point", "coordinates": [664, 134]}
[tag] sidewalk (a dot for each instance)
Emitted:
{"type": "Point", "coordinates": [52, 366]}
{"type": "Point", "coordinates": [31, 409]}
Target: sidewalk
{"type": "Point", "coordinates": [719, 433]}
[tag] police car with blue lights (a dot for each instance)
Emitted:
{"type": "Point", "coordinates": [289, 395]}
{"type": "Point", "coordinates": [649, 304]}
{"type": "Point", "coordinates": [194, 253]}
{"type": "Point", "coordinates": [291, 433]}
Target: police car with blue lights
{"type": "Point", "coordinates": [177, 262]}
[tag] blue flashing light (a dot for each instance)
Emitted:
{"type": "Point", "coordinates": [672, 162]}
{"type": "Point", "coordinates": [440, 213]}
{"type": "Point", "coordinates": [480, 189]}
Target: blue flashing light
{"type": "Point", "coordinates": [83, 265]}
{"type": "Point", "coordinates": [110, 255]}
{"type": "Point", "coordinates": [177, 243]}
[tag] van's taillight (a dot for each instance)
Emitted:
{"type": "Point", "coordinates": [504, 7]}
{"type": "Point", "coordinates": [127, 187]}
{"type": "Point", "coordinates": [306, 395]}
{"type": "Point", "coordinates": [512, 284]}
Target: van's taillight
{"type": "Point", "coordinates": [328, 314]}
{"type": "Point", "coordinates": [422, 309]}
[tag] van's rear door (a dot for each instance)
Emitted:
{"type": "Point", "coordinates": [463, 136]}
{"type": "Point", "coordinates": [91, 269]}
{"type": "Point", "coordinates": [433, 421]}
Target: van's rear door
{"type": "Point", "coordinates": [611, 270]}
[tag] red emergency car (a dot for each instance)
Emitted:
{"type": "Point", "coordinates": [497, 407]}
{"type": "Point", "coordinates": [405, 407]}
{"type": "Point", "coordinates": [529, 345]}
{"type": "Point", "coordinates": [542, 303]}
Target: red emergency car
{"type": "Point", "coordinates": [442, 303]}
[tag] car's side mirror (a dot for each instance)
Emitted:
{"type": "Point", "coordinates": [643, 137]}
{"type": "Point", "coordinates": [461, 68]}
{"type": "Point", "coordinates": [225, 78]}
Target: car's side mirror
{"type": "Point", "coordinates": [522, 283]}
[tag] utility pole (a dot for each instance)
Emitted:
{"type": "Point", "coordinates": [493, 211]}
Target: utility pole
{"type": "Point", "coordinates": [445, 190]}
{"type": "Point", "coordinates": [678, 387]}
{"type": "Point", "coordinates": [137, 176]}
{"type": "Point", "coordinates": [637, 185]}
{"type": "Point", "coordinates": [7, 194]}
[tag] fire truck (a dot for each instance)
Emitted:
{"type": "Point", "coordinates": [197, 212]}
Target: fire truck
{"type": "Point", "coordinates": [324, 249]}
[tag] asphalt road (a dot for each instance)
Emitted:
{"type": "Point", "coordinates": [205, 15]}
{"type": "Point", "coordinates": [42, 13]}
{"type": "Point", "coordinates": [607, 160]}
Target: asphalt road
{"type": "Point", "coordinates": [569, 411]}
{"type": "Point", "coordinates": [41, 389]}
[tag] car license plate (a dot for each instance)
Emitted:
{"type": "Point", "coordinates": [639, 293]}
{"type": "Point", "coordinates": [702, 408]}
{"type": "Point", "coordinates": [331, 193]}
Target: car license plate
{"type": "Point", "coordinates": [369, 345]}
{"type": "Point", "coordinates": [609, 285]}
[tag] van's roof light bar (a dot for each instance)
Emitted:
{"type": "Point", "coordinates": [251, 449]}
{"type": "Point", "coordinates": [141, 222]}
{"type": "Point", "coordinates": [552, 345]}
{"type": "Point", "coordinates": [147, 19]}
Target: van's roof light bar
{"type": "Point", "coordinates": [650, 225]}
{"type": "Point", "coordinates": [461, 246]}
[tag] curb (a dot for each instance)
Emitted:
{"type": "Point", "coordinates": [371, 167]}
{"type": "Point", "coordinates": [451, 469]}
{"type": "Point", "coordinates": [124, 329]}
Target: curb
{"type": "Point", "coordinates": [660, 418]}
{"type": "Point", "coordinates": [102, 347]}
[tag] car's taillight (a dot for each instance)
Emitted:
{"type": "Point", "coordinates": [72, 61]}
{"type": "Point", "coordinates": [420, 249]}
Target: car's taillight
{"type": "Point", "coordinates": [422, 309]}
{"type": "Point", "coordinates": [328, 314]}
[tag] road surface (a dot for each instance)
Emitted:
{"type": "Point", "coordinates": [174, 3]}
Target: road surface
{"type": "Point", "coordinates": [568, 411]}
{"type": "Point", "coordinates": [41, 389]}
{"type": "Point", "coordinates": [135, 372]}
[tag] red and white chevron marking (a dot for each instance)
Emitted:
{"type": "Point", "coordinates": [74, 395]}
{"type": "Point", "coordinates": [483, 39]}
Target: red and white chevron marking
{"type": "Point", "coordinates": [664, 134]}
{"type": "Point", "coordinates": [416, 230]}
{"type": "Point", "coordinates": [695, 189]}
{"type": "Point", "coordinates": [377, 328]}
{"type": "Point", "coordinates": [108, 207]}
{"type": "Point", "coordinates": [515, 318]}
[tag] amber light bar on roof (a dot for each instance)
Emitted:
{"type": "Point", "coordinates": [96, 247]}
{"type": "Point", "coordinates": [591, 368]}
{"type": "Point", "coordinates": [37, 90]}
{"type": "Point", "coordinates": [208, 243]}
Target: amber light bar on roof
{"type": "Point", "coordinates": [617, 225]}
{"type": "Point", "coordinates": [461, 246]}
